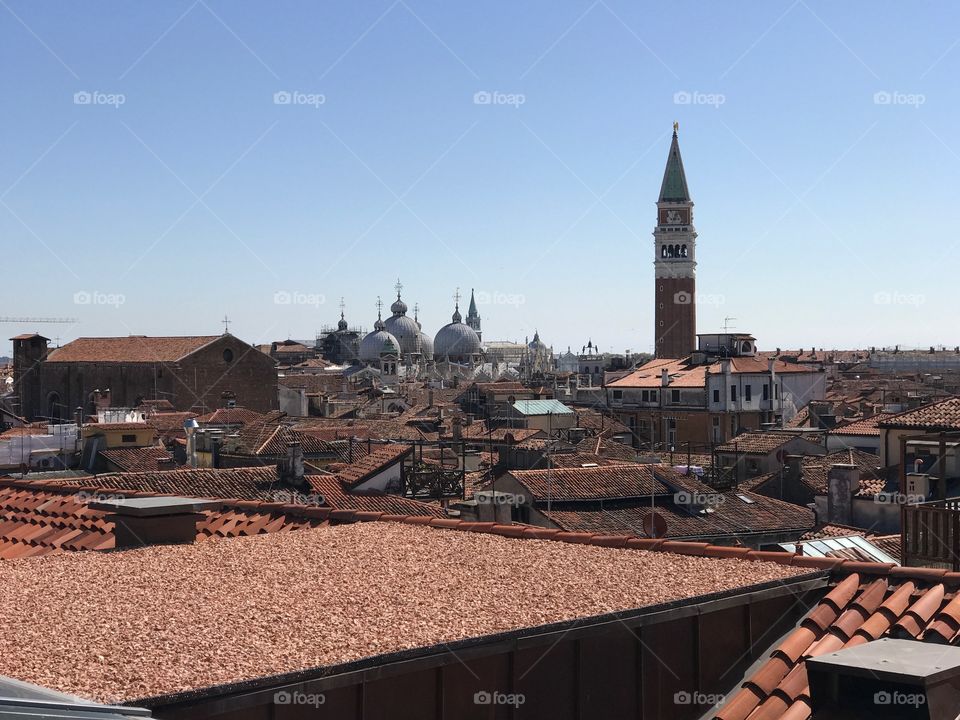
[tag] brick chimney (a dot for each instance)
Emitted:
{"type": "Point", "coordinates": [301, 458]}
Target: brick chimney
{"type": "Point", "coordinates": [843, 481]}
{"type": "Point", "coordinates": [291, 467]}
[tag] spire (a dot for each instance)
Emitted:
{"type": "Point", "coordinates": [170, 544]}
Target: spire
{"type": "Point", "coordinates": [674, 187]}
{"type": "Point", "coordinates": [472, 312]}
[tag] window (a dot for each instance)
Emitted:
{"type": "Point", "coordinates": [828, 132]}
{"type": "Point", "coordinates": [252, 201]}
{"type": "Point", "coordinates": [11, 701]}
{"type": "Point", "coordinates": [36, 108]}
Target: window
{"type": "Point", "coordinates": [716, 396]}
{"type": "Point", "coordinates": [747, 393]}
{"type": "Point", "coordinates": [716, 422]}
{"type": "Point", "coordinates": [776, 391]}
{"type": "Point", "coordinates": [618, 394]}
{"type": "Point", "coordinates": [228, 355]}
{"type": "Point", "coordinates": [644, 396]}
{"type": "Point", "coordinates": [653, 396]}
{"type": "Point", "coordinates": [128, 438]}
{"type": "Point", "coordinates": [733, 393]}
{"type": "Point", "coordinates": [766, 392]}
{"type": "Point", "coordinates": [675, 396]}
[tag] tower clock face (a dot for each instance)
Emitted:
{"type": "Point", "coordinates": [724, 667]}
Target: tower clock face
{"type": "Point", "coordinates": [675, 216]}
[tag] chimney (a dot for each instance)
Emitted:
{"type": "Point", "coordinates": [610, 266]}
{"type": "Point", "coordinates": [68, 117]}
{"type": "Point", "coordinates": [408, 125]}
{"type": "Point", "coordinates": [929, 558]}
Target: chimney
{"type": "Point", "coordinates": [843, 481]}
{"type": "Point", "coordinates": [887, 678]}
{"type": "Point", "coordinates": [430, 398]}
{"type": "Point", "coordinates": [457, 429]}
{"type": "Point", "coordinates": [159, 520]}
{"type": "Point", "coordinates": [793, 468]}
{"type": "Point", "coordinates": [291, 467]}
{"type": "Point", "coordinates": [664, 377]}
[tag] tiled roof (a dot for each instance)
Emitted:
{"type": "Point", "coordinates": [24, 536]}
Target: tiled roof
{"type": "Point", "coordinates": [730, 516]}
{"type": "Point", "coordinates": [590, 483]}
{"type": "Point", "coordinates": [247, 483]}
{"type": "Point", "coordinates": [942, 415]}
{"type": "Point", "coordinates": [880, 603]}
{"type": "Point", "coordinates": [381, 458]}
{"type": "Point", "coordinates": [337, 495]}
{"type": "Point", "coordinates": [833, 530]}
{"type": "Point", "coordinates": [683, 374]}
{"type": "Point", "coordinates": [231, 416]}
{"type": "Point", "coordinates": [139, 459]}
{"type": "Point", "coordinates": [43, 517]}
{"type": "Point", "coordinates": [815, 469]}
{"type": "Point", "coordinates": [757, 442]}
{"type": "Point", "coordinates": [169, 423]}
{"type": "Point", "coordinates": [607, 449]}
{"type": "Point", "coordinates": [132, 349]}
{"type": "Point", "coordinates": [118, 426]}
{"type": "Point", "coordinates": [866, 426]}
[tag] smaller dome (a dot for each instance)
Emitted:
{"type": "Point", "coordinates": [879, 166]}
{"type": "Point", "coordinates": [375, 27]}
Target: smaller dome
{"type": "Point", "coordinates": [399, 307]}
{"type": "Point", "coordinates": [378, 325]}
{"type": "Point", "coordinates": [457, 317]}
{"type": "Point", "coordinates": [376, 344]}
{"type": "Point", "coordinates": [342, 325]}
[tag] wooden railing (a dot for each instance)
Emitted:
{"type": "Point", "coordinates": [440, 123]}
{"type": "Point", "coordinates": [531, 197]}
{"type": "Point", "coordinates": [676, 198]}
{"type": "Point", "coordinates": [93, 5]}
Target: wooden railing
{"type": "Point", "coordinates": [930, 534]}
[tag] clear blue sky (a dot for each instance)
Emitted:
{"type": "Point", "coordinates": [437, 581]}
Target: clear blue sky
{"type": "Point", "coordinates": [826, 218]}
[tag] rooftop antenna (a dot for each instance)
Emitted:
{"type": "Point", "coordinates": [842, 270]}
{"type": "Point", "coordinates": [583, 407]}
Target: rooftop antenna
{"type": "Point", "coordinates": [727, 325]}
{"type": "Point", "coordinates": [226, 324]}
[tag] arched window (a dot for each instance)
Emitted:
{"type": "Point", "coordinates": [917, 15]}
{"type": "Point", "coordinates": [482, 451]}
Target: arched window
{"type": "Point", "coordinates": [683, 251]}
{"type": "Point", "coordinates": [663, 251]}
{"type": "Point", "coordinates": [670, 251]}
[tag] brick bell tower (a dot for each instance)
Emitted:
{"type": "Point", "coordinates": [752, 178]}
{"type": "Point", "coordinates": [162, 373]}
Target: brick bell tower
{"type": "Point", "coordinates": [675, 264]}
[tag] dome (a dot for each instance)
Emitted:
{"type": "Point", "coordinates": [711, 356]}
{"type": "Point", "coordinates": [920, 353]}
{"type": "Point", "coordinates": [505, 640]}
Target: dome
{"type": "Point", "coordinates": [456, 341]}
{"type": "Point", "coordinates": [399, 307]}
{"type": "Point", "coordinates": [342, 325]}
{"type": "Point", "coordinates": [536, 343]}
{"type": "Point", "coordinates": [377, 343]}
{"type": "Point", "coordinates": [405, 330]}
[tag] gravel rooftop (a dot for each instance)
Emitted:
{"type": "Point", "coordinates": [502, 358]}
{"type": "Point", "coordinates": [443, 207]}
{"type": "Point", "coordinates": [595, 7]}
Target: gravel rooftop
{"type": "Point", "coordinates": [119, 626]}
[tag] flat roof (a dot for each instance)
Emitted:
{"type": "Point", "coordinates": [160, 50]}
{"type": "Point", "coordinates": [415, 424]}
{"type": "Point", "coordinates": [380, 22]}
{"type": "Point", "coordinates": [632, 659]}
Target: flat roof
{"type": "Point", "coordinates": [123, 626]}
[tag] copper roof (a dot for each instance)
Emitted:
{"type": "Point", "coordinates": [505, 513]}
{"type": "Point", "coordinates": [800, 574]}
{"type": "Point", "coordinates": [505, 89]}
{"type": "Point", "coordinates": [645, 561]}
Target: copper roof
{"type": "Point", "coordinates": [132, 349]}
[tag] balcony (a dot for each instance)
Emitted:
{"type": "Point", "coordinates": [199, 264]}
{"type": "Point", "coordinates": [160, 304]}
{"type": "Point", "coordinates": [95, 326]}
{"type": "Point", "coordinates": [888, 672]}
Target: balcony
{"type": "Point", "coordinates": [930, 534]}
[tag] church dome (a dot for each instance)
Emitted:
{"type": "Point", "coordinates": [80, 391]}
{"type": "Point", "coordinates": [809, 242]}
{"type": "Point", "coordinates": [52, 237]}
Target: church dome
{"type": "Point", "coordinates": [456, 341]}
{"type": "Point", "coordinates": [536, 343]}
{"type": "Point", "coordinates": [342, 325]}
{"type": "Point", "coordinates": [399, 307]}
{"type": "Point", "coordinates": [377, 343]}
{"type": "Point", "coordinates": [406, 331]}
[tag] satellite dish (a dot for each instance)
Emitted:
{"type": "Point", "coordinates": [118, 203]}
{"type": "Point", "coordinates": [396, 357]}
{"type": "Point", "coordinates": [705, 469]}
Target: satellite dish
{"type": "Point", "coordinates": [654, 525]}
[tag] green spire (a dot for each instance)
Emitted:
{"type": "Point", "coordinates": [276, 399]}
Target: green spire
{"type": "Point", "coordinates": [674, 187]}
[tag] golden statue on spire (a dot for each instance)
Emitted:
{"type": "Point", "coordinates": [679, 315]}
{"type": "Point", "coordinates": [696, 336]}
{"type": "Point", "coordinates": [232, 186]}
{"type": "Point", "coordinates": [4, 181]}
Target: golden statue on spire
{"type": "Point", "coordinates": [676, 126]}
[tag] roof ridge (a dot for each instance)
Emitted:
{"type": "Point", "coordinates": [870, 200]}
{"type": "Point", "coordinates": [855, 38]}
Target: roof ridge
{"type": "Point", "coordinates": [837, 567]}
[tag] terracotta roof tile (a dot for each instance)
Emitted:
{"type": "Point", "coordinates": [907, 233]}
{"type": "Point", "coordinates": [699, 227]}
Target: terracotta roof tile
{"type": "Point", "coordinates": [132, 349]}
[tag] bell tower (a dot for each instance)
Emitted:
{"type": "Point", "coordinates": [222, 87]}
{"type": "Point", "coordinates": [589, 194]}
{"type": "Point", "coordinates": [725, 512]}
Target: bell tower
{"type": "Point", "coordinates": [675, 330]}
